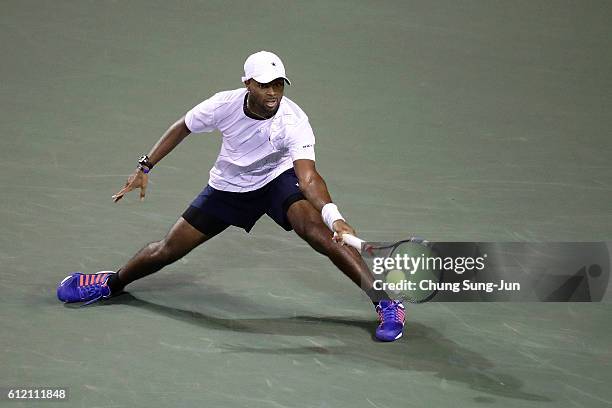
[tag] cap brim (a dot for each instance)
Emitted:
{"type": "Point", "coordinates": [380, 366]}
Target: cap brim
{"type": "Point", "coordinates": [264, 79]}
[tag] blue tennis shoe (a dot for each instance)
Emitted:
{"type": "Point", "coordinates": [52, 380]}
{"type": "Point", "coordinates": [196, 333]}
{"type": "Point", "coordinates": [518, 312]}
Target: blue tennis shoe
{"type": "Point", "coordinates": [391, 314]}
{"type": "Point", "coordinates": [81, 287]}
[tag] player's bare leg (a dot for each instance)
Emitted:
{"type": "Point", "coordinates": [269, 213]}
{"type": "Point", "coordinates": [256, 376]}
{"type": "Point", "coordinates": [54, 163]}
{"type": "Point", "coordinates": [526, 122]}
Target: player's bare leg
{"type": "Point", "coordinates": [180, 240]}
{"type": "Point", "coordinates": [307, 223]}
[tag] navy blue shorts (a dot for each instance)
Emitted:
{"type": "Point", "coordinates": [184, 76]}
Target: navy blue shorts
{"type": "Point", "coordinates": [214, 210]}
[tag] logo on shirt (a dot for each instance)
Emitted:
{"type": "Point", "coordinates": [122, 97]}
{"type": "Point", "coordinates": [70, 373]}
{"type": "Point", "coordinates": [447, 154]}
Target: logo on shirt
{"type": "Point", "coordinates": [307, 146]}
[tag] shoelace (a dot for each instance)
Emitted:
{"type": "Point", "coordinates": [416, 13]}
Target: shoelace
{"type": "Point", "coordinates": [389, 313]}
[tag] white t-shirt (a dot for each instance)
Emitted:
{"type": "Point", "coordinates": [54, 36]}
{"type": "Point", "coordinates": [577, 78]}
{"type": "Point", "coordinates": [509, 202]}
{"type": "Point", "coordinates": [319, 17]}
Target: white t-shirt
{"type": "Point", "coordinates": [254, 152]}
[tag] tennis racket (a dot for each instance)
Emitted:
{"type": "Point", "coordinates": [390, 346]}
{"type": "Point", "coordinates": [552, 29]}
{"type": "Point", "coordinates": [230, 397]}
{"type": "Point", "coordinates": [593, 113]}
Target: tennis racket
{"type": "Point", "coordinates": [409, 270]}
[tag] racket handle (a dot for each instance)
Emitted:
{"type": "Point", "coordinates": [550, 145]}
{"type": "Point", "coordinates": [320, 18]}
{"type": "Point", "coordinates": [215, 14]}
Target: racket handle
{"type": "Point", "coordinates": [353, 241]}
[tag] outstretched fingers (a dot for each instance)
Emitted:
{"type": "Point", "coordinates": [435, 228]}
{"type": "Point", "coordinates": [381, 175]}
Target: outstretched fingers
{"type": "Point", "coordinates": [136, 180]}
{"type": "Point", "coordinates": [126, 189]}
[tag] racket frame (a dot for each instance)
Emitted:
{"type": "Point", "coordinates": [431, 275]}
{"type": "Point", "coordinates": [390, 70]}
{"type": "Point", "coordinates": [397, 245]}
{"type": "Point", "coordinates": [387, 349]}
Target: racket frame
{"type": "Point", "coordinates": [364, 247]}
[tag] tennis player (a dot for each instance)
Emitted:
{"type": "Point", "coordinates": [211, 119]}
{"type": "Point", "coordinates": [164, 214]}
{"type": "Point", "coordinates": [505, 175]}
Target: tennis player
{"type": "Point", "coordinates": [266, 166]}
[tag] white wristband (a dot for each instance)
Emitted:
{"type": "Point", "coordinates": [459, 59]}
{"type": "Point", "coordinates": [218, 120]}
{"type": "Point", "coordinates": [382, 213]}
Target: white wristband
{"type": "Point", "coordinates": [330, 213]}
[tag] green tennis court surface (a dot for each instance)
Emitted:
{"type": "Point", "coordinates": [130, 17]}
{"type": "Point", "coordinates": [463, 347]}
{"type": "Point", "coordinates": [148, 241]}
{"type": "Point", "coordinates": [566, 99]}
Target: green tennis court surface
{"type": "Point", "coordinates": [455, 121]}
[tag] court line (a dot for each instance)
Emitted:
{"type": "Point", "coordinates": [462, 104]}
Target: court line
{"type": "Point", "coordinates": [103, 175]}
{"type": "Point", "coordinates": [375, 405]}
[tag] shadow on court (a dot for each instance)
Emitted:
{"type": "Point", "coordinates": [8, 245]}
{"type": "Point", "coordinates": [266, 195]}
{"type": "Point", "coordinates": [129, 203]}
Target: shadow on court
{"type": "Point", "coordinates": [424, 350]}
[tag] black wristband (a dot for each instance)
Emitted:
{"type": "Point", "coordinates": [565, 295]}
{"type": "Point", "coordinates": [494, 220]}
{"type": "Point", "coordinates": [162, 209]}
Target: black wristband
{"type": "Point", "coordinates": [144, 164]}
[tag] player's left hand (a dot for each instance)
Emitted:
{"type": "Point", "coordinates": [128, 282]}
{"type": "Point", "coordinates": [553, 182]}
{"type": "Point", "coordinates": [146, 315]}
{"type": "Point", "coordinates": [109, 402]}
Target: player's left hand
{"type": "Point", "coordinates": [342, 227]}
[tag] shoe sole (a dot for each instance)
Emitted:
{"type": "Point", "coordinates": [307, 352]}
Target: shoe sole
{"type": "Point", "coordinates": [399, 336]}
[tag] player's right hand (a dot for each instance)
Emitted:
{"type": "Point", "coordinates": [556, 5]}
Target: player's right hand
{"type": "Point", "coordinates": [341, 227]}
{"type": "Point", "coordinates": [138, 179]}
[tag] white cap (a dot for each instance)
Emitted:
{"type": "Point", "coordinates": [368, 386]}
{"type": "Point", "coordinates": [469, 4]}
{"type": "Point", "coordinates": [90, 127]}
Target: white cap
{"type": "Point", "coordinates": [264, 67]}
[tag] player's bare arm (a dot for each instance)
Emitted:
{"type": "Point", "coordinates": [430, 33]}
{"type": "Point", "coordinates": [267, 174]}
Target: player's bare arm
{"type": "Point", "coordinates": [169, 140]}
{"type": "Point", "coordinates": [315, 190]}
